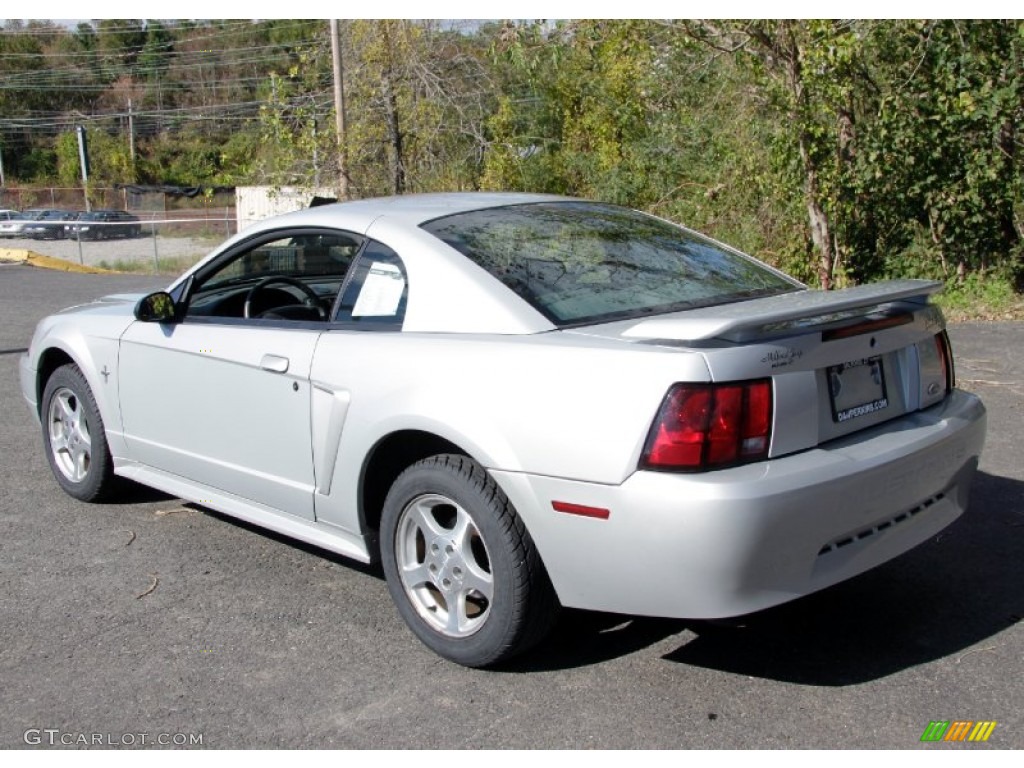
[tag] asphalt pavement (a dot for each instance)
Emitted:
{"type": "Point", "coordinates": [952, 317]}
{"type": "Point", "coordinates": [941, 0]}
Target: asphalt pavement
{"type": "Point", "coordinates": [151, 623]}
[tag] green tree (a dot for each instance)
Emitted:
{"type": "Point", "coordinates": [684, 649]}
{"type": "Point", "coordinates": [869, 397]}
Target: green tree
{"type": "Point", "coordinates": [119, 43]}
{"type": "Point", "coordinates": [639, 112]}
{"type": "Point", "coordinates": [109, 158]}
{"type": "Point", "coordinates": [940, 159]}
{"type": "Point", "coordinates": [157, 52]}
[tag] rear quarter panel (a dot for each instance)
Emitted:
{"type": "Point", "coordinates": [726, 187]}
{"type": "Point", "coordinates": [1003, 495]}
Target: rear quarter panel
{"type": "Point", "coordinates": [547, 404]}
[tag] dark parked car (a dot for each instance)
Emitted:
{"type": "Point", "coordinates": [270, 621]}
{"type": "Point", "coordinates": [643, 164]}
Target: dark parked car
{"type": "Point", "coordinates": [103, 225]}
{"type": "Point", "coordinates": [47, 224]}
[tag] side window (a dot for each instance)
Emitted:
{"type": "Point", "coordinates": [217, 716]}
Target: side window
{"type": "Point", "coordinates": [288, 276]}
{"type": "Point", "coordinates": [377, 291]}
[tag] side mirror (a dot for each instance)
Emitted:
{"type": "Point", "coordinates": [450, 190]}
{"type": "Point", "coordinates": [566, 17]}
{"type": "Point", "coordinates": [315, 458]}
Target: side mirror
{"type": "Point", "coordinates": [156, 308]}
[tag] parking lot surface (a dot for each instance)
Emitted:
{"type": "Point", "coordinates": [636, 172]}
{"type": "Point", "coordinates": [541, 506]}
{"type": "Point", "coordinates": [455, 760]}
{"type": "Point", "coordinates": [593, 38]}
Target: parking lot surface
{"type": "Point", "coordinates": [151, 618]}
{"type": "Point", "coordinates": [119, 253]}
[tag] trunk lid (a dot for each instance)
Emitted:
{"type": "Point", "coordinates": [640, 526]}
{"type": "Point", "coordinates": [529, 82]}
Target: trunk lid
{"type": "Point", "coordinates": [840, 361]}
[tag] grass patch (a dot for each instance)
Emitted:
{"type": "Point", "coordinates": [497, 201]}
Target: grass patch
{"type": "Point", "coordinates": [171, 265]}
{"type": "Point", "coordinates": [981, 297]}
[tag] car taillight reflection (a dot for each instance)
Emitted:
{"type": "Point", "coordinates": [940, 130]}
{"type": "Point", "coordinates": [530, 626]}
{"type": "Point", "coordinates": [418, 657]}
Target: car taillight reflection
{"type": "Point", "coordinates": [946, 355]}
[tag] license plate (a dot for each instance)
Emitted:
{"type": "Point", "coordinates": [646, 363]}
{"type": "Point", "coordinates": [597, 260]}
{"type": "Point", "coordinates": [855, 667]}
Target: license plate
{"type": "Point", "coordinates": [857, 388]}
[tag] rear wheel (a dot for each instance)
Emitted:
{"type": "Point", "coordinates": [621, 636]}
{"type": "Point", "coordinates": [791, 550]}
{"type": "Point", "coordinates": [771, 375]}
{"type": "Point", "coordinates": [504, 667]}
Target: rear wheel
{"type": "Point", "coordinates": [76, 444]}
{"type": "Point", "coordinates": [460, 565]}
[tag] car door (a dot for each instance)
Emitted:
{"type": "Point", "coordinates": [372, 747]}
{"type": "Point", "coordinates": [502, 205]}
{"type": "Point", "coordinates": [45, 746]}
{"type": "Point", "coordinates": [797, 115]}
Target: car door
{"type": "Point", "coordinates": [373, 305]}
{"type": "Point", "coordinates": [223, 398]}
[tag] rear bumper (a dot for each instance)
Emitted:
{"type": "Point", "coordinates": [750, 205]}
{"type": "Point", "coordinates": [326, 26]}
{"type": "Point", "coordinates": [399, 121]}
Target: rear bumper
{"type": "Point", "coordinates": [734, 541]}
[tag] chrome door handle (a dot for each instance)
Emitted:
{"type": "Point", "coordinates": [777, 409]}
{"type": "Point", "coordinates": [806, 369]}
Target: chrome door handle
{"type": "Point", "coordinates": [274, 363]}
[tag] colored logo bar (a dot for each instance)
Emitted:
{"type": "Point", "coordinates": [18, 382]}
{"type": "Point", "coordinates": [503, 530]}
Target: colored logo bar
{"type": "Point", "coordinates": [958, 730]}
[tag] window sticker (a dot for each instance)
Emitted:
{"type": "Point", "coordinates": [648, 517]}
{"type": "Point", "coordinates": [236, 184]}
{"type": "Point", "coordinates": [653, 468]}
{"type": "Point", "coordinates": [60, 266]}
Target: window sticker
{"type": "Point", "coordinates": [381, 292]}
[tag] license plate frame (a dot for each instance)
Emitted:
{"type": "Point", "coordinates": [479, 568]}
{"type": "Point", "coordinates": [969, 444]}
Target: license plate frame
{"type": "Point", "coordinates": [857, 388]}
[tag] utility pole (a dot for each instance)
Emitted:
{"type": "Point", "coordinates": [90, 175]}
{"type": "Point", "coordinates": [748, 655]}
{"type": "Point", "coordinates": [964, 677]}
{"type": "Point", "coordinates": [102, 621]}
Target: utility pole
{"type": "Point", "coordinates": [83, 159]}
{"type": "Point", "coordinates": [316, 154]}
{"type": "Point", "coordinates": [131, 133]}
{"type": "Point", "coordinates": [339, 111]}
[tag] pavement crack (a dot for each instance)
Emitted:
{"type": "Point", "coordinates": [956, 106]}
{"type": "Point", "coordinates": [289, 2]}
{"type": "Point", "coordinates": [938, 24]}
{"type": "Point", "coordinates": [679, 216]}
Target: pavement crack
{"type": "Point", "coordinates": [152, 587]}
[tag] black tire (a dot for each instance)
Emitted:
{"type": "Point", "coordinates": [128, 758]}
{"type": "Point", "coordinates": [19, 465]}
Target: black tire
{"type": "Point", "coordinates": [453, 530]}
{"type": "Point", "coordinates": [74, 437]}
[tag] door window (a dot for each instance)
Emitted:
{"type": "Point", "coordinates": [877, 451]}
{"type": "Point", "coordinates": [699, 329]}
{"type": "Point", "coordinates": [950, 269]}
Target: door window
{"type": "Point", "coordinates": [377, 291]}
{"type": "Point", "coordinates": [290, 277]}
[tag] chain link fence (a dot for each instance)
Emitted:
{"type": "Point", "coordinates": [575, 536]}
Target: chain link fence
{"type": "Point", "coordinates": [160, 233]}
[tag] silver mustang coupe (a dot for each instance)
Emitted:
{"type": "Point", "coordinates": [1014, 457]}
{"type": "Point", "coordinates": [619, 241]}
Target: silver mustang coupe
{"type": "Point", "coordinates": [518, 402]}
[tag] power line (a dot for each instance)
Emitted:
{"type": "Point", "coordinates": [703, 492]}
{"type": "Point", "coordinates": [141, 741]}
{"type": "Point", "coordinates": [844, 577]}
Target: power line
{"type": "Point", "coordinates": [221, 84]}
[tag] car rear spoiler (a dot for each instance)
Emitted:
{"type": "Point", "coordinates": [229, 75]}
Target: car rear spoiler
{"type": "Point", "coordinates": [778, 315]}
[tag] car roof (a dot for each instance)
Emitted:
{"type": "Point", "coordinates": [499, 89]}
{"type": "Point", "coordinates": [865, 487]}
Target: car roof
{"type": "Point", "coordinates": [411, 210]}
{"type": "Point", "coordinates": [416, 209]}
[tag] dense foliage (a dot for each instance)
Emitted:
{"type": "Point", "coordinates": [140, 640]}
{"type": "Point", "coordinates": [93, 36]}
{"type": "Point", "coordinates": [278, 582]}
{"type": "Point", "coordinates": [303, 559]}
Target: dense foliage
{"type": "Point", "coordinates": [840, 150]}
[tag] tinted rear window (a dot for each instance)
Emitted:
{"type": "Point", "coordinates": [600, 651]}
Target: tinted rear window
{"type": "Point", "coordinates": [581, 263]}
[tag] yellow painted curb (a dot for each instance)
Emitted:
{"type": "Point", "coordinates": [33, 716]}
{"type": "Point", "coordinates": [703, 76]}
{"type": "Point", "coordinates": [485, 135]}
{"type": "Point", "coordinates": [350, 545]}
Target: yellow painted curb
{"type": "Point", "coordinates": [13, 254]}
{"type": "Point", "coordinates": [33, 259]}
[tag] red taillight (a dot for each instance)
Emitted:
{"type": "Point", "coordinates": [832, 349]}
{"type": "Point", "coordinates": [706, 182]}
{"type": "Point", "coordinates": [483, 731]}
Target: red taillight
{"type": "Point", "coordinates": [703, 426]}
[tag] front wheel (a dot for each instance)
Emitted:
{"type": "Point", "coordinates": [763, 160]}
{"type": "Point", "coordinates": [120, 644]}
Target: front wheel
{"type": "Point", "coordinates": [76, 444]}
{"type": "Point", "coordinates": [460, 565]}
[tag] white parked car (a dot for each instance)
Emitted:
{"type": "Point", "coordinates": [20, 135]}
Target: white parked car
{"type": "Point", "coordinates": [517, 402]}
{"type": "Point", "coordinates": [11, 222]}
